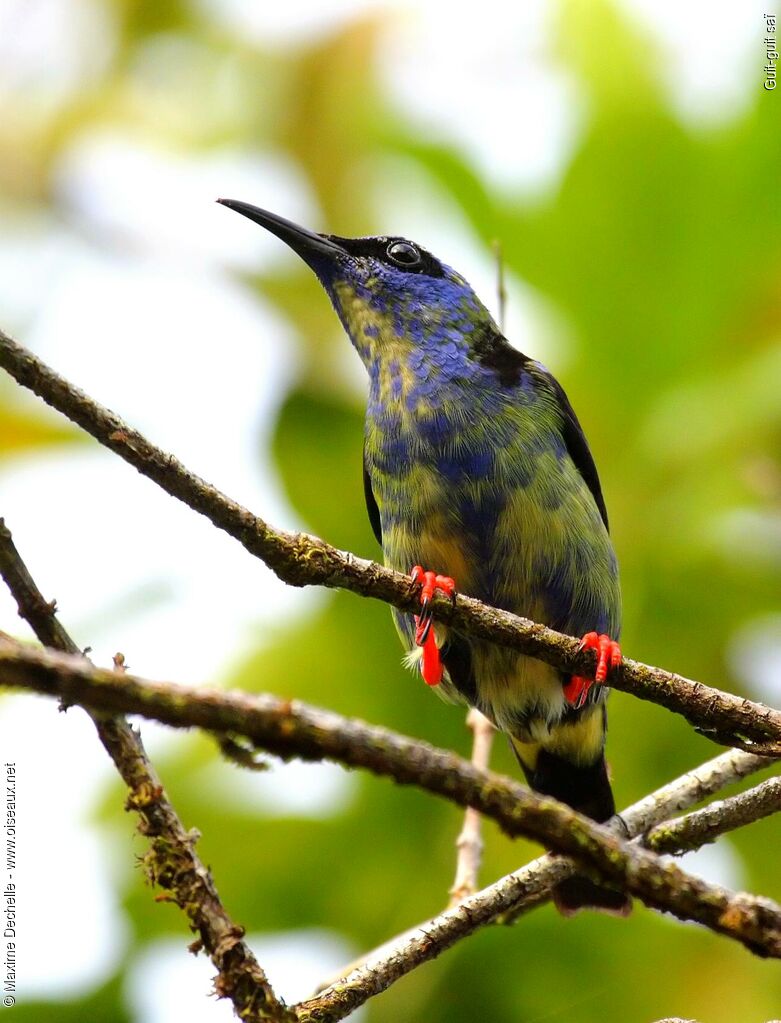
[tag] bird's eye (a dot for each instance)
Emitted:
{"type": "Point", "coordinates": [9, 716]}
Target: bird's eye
{"type": "Point", "coordinates": [403, 254]}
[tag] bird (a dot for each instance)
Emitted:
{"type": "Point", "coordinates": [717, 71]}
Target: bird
{"type": "Point", "coordinates": [475, 466]}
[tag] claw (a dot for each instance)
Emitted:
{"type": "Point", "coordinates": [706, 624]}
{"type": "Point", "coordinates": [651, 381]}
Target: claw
{"type": "Point", "coordinates": [431, 583]}
{"type": "Point", "coordinates": [422, 628]}
{"type": "Point", "coordinates": [608, 656]}
{"type": "Point", "coordinates": [431, 663]}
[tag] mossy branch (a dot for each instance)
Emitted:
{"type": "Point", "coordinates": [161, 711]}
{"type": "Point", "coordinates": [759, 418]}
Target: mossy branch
{"type": "Point", "coordinates": [514, 895]}
{"type": "Point", "coordinates": [302, 560]}
{"type": "Point", "coordinates": [290, 728]}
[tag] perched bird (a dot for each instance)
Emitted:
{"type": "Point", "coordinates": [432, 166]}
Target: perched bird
{"type": "Point", "coordinates": [475, 466]}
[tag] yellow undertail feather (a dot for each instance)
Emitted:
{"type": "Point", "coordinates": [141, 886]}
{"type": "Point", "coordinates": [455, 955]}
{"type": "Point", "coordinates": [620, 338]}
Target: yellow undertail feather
{"type": "Point", "coordinates": [580, 743]}
{"type": "Point", "coordinates": [527, 753]}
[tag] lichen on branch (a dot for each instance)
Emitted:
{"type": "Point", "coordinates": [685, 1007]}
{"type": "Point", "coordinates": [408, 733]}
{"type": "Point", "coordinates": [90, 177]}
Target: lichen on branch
{"type": "Point", "coordinates": [289, 728]}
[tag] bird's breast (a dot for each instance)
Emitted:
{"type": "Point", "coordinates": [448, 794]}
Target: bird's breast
{"type": "Point", "coordinates": [489, 495]}
{"type": "Point", "coordinates": [436, 489]}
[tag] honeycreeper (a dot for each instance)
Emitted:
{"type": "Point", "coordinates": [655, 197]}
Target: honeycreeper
{"type": "Point", "coordinates": [475, 465]}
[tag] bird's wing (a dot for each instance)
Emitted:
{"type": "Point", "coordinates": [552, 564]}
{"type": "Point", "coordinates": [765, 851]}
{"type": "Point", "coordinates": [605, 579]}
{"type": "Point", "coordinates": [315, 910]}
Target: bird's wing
{"type": "Point", "coordinates": [491, 349]}
{"type": "Point", "coordinates": [575, 440]}
{"type": "Point", "coordinates": [457, 658]}
{"type": "Point", "coordinates": [371, 504]}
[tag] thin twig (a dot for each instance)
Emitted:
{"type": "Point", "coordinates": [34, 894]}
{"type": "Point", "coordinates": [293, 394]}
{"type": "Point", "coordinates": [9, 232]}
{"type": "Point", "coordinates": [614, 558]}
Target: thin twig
{"type": "Point", "coordinates": [288, 728]}
{"type": "Point", "coordinates": [171, 861]}
{"type": "Point", "coordinates": [696, 829]}
{"type": "Point", "coordinates": [513, 895]}
{"type": "Point", "coordinates": [469, 843]}
{"type": "Point", "coordinates": [302, 560]}
{"type": "Point", "coordinates": [501, 288]}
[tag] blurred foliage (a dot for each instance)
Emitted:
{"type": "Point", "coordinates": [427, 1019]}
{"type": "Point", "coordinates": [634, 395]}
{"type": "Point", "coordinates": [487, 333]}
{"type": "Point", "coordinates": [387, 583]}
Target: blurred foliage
{"type": "Point", "coordinates": [26, 427]}
{"type": "Point", "coordinates": [103, 1005]}
{"type": "Point", "coordinates": [661, 249]}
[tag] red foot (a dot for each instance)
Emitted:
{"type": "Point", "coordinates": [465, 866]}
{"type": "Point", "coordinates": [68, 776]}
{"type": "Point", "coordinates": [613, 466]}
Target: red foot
{"type": "Point", "coordinates": [609, 656]}
{"type": "Point", "coordinates": [431, 663]}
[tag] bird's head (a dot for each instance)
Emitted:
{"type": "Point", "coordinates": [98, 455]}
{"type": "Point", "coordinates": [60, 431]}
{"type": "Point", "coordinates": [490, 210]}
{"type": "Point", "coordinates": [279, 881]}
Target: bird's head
{"type": "Point", "coordinates": [395, 299]}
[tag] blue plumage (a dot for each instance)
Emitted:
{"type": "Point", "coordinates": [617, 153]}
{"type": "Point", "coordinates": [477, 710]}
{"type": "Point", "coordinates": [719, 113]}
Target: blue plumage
{"type": "Point", "coordinates": [475, 466]}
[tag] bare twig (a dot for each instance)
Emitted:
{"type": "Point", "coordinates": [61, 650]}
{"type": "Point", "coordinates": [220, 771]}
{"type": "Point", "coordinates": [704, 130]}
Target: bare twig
{"type": "Point", "coordinates": [290, 729]}
{"type": "Point", "coordinates": [513, 895]}
{"type": "Point", "coordinates": [302, 560]}
{"type": "Point", "coordinates": [696, 829]}
{"type": "Point", "coordinates": [469, 842]}
{"type": "Point", "coordinates": [501, 288]}
{"type": "Point", "coordinates": [171, 861]}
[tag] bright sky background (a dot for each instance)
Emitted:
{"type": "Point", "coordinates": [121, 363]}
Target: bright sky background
{"type": "Point", "coordinates": [117, 320]}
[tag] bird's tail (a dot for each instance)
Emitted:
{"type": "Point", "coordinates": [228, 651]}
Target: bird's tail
{"type": "Point", "coordinates": [586, 788]}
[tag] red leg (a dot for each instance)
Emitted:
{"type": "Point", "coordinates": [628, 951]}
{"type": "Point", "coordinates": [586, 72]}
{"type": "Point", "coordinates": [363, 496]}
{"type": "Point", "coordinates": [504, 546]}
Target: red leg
{"type": "Point", "coordinates": [431, 663]}
{"type": "Point", "coordinates": [608, 656]}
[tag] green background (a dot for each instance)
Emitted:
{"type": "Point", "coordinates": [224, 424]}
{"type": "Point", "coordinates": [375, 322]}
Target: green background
{"type": "Point", "coordinates": [659, 251]}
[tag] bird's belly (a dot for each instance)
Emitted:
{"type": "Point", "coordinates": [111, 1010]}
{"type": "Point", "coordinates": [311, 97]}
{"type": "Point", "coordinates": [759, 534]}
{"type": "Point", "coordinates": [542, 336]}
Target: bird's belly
{"type": "Point", "coordinates": [556, 569]}
{"type": "Point", "coordinates": [510, 552]}
{"type": "Point", "coordinates": [524, 536]}
{"type": "Point", "coordinates": [522, 696]}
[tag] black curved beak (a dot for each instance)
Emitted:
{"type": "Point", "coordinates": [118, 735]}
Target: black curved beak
{"type": "Point", "coordinates": [306, 244]}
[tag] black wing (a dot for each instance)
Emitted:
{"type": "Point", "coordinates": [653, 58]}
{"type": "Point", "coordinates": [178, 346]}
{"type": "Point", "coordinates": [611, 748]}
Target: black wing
{"type": "Point", "coordinates": [576, 443]}
{"type": "Point", "coordinates": [492, 350]}
{"type": "Point", "coordinates": [371, 504]}
{"type": "Point", "coordinates": [457, 658]}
